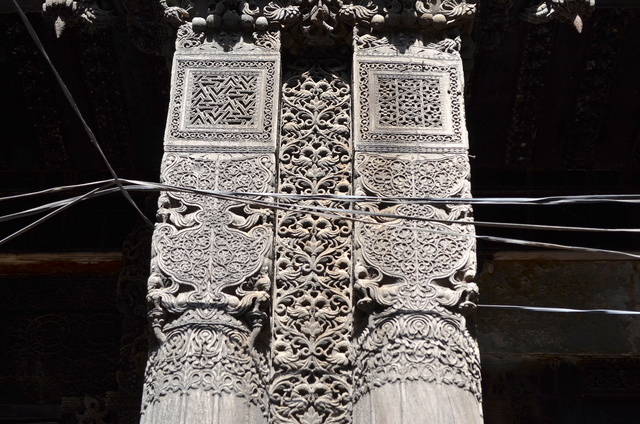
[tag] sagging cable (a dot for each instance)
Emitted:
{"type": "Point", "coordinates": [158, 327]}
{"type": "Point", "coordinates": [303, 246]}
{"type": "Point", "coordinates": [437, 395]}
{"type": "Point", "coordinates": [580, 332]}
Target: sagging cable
{"type": "Point", "coordinates": [233, 196]}
{"type": "Point", "coordinates": [562, 310]}
{"type": "Point", "coordinates": [53, 190]}
{"type": "Point", "coordinates": [75, 108]}
{"type": "Point", "coordinates": [338, 213]}
{"type": "Point", "coordinates": [54, 213]}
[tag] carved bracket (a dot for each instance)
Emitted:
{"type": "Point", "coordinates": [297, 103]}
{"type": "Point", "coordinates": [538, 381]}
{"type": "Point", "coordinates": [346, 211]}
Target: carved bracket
{"type": "Point", "coordinates": [90, 13]}
{"type": "Point", "coordinates": [563, 10]}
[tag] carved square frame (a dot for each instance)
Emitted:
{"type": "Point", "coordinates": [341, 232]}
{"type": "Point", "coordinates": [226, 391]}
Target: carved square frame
{"type": "Point", "coordinates": [371, 136]}
{"type": "Point", "coordinates": [262, 135]}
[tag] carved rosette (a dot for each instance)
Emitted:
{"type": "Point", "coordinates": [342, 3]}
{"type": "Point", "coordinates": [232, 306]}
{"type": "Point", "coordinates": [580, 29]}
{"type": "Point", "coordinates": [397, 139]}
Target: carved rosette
{"type": "Point", "coordinates": [413, 280]}
{"type": "Point", "coordinates": [312, 308]}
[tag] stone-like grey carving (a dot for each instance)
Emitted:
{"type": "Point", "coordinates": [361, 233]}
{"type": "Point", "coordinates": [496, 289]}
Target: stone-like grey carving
{"type": "Point", "coordinates": [211, 268]}
{"type": "Point", "coordinates": [415, 357]}
{"type": "Point", "coordinates": [89, 13]}
{"type": "Point", "coordinates": [563, 10]}
{"type": "Point", "coordinates": [404, 104]}
{"type": "Point", "coordinates": [220, 267]}
{"type": "Point", "coordinates": [312, 321]}
{"type": "Point", "coordinates": [223, 100]}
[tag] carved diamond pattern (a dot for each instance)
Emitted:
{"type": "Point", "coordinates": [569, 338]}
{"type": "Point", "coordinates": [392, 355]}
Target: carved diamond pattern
{"type": "Point", "coordinates": [224, 100]}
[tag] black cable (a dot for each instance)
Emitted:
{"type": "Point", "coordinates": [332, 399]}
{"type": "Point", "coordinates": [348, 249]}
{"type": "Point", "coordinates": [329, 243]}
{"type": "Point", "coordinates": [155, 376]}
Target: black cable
{"type": "Point", "coordinates": [75, 108]}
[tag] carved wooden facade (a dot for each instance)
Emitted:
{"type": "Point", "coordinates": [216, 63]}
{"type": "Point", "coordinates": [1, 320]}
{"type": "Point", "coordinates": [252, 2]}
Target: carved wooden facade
{"type": "Point", "coordinates": [288, 310]}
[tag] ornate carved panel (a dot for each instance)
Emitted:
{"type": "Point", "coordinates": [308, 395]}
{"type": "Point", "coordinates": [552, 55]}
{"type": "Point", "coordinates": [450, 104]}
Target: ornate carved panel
{"type": "Point", "coordinates": [224, 93]}
{"type": "Point", "coordinates": [404, 104]}
{"type": "Point", "coordinates": [210, 279]}
{"type": "Point", "coordinates": [312, 307]}
{"type": "Point", "coordinates": [412, 279]}
{"type": "Point", "coordinates": [211, 262]}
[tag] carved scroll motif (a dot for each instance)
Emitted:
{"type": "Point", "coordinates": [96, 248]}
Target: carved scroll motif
{"type": "Point", "coordinates": [210, 281]}
{"type": "Point", "coordinates": [312, 307]}
{"type": "Point", "coordinates": [211, 267]}
{"type": "Point", "coordinates": [413, 279]}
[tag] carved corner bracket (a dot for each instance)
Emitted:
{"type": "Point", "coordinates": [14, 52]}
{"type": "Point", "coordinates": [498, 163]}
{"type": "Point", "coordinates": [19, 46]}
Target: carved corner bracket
{"type": "Point", "coordinates": [92, 14]}
{"type": "Point", "coordinates": [563, 10]}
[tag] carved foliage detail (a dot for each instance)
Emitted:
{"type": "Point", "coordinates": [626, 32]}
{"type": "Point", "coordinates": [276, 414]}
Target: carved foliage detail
{"type": "Point", "coordinates": [210, 279]}
{"type": "Point", "coordinates": [444, 176]}
{"type": "Point", "coordinates": [436, 348]}
{"type": "Point", "coordinates": [415, 265]}
{"type": "Point", "coordinates": [311, 332]}
{"type": "Point", "coordinates": [413, 279]}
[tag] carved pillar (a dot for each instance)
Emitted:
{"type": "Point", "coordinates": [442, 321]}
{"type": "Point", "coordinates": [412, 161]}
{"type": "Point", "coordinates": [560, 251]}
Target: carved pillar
{"type": "Point", "coordinates": [406, 355]}
{"type": "Point", "coordinates": [211, 269]}
{"type": "Point", "coordinates": [416, 360]}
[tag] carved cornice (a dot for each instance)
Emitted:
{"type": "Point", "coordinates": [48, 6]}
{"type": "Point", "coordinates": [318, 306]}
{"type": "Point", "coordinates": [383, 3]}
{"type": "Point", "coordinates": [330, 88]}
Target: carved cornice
{"type": "Point", "coordinates": [321, 22]}
{"type": "Point", "coordinates": [563, 10]}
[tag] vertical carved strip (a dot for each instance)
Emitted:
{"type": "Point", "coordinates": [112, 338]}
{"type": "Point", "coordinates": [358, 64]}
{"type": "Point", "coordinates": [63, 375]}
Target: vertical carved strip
{"type": "Point", "coordinates": [312, 308]}
{"type": "Point", "coordinates": [416, 360]}
{"type": "Point", "coordinates": [211, 270]}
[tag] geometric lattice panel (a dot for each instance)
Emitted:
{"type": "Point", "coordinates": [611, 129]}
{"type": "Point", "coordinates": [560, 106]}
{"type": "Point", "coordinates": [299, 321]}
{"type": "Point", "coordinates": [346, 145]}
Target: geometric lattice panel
{"type": "Point", "coordinates": [408, 102]}
{"type": "Point", "coordinates": [223, 100]}
{"type": "Point", "coordinates": [408, 106]}
{"type": "Point", "coordinates": [219, 105]}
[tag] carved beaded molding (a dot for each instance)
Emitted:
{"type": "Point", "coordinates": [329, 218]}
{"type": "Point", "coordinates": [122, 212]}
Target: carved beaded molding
{"type": "Point", "coordinates": [320, 22]}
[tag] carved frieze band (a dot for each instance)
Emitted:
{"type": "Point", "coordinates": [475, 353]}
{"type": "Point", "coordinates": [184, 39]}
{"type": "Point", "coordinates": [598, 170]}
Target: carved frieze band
{"type": "Point", "coordinates": [312, 308]}
{"type": "Point", "coordinates": [321, 22]}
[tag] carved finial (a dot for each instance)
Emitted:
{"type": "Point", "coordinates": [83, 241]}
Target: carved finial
{"type": "Point", "coordinates": [563, 10]}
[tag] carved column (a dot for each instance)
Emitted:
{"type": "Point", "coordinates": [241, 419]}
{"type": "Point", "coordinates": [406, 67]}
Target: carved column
{"type": "Point", "coordinates": [416, 360]}
{"type": "Point", "coordinates": [211, 269]}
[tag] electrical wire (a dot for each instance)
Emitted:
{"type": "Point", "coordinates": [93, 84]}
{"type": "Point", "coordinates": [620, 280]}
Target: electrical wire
{"type": "Point", "coordinates": [75, 108]}
{"type": "Point", "coordinates": [62, 205]}
{"type": "Point", "coordinates": [328, 212]}
{"type": "Point", "coordinates": [233, 196]}
{"type": "Point", "coordinates": [562, 310]}
{"type": "Point", "coordinates": [53, 190]}
{"type": "Point", "coordinates": [39, 221]}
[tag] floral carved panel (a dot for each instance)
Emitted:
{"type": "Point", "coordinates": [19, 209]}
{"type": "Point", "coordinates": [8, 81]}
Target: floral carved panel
{"type": "Point", "coordinates": [312, 307]}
